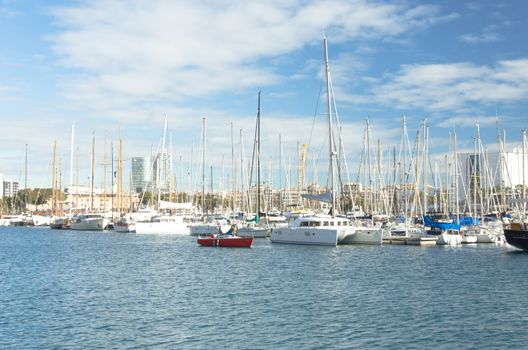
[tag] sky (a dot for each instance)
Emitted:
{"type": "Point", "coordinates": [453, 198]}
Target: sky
{"type": "Point", "coordinates": [118, 67]}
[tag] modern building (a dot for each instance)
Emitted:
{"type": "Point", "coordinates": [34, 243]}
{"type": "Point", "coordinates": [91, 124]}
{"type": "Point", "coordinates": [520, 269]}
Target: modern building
{"type": "Point", "coordinates": [8, 188]}
{"type": "Point", "coordinates": [142, 169]}
{"type": "Point", "coordinates": [493, 169]}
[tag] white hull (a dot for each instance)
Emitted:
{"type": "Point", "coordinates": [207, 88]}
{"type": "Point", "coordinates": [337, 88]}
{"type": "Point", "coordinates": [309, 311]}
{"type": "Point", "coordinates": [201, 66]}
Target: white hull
{"type": "Point", "coordinates": [166, 228]}
{"type": "Point", "coordinates": [449, 239]}
{"type": "Point", "coordinates": [125, 228]}
{"type": "Point", "coordinates": [469, 239]}
{"type": "Point", "coordinates": [308, 235]}
{"type": "Point", "coordinates": [39, 220]}
{"type": "Point", "coordinates": [364, 235]}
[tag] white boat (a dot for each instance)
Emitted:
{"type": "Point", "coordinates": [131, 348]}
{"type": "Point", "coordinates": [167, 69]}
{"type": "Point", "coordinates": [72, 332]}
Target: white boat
{"type": "Point", "coordinates": [451, 238]}
{"type": "Point", "coordinates": [41, 220]}
{"type": "Point", "coordinates": [87, 222]}
{"type": "Point", "coordinates": [468, 239]}
{"type": "Point", "coordinates": [212, 225]}
{"type": "Point", "coordinates": [314, 230]}
{"type": "Point", "coordinates": [364, 235]}
{"type": "Point", "coordinates": [124, 225]}
{"type": "Point", "coordinates": [144, 214]}
{"type": "Point", "coordinates": [167, 224]}
{"type": "Point", "coordinates": [254, 231]}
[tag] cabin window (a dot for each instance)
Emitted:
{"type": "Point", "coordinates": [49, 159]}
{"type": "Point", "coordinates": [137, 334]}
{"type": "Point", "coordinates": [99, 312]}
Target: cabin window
{"type": "Point", "coordinates": [304, 223]}
{"type": "Point", "coordinates": [325, 223]}
{"type": "Point", "coordinates": [318, 223]}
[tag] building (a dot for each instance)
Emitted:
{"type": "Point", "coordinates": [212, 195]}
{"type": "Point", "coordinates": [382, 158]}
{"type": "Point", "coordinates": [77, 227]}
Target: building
{"type": "Point", "coordinates": [8, 188]}
{"type": "Point", "coordinates": [142, 174]}
{"type": "Point", "coordinates": [493, 170]}
{"type": "Point", "coordinates": [150, 172]}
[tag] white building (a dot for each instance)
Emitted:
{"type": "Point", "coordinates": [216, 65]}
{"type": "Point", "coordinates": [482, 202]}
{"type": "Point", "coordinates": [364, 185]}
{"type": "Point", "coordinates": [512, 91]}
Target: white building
{"type": "Point", "coordinates": [8, 188]}
{"type": "Point", "coordinates": [493, 169]}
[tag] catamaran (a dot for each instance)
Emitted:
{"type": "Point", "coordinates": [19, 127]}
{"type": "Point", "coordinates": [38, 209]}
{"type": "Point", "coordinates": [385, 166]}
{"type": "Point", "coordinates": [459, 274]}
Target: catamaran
{"type": "Point", "coordinates": [326, 229]}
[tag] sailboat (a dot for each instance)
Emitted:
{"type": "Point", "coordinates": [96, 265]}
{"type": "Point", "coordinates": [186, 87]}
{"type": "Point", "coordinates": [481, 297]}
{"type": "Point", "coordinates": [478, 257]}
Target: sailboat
{"type": "Point", "coordinates": [165, 224]}
{"type": "Point", "coordinates": [326, 229]}
{"type": "Point", "coordinates": [255, 228]}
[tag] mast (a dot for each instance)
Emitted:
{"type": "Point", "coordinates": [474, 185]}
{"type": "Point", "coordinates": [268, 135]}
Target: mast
{"type": "Point", "coordinates": [331, 143]}
{"type": "Point", "coordinates": [112, 177]}
{"type": "Point", "coordinates": [25, 179]}
{"type": "Point", "coordinates": [92, 173]}
{"type": "Point", "coordinates": [53, 187]}
{"type": "Point", "coordinates": [104, 171]}
{"type": "Point", "coordinates": [258, 156]}
{"type": "Point", "coordinates": [71, 166]}
{"type": "Point", "coordinates": [524, 171]}
{"type": "Point", "coordinates": [203, 169]}
{"type": "Point", "coordinates": [161, 159]}
{"type": "Point", "coordinates": [425, 164]}
{"type": "Point", "coordinates": [457, 209]}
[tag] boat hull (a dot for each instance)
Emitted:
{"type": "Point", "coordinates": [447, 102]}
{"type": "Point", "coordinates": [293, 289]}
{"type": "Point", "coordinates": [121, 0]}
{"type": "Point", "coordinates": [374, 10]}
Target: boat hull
{"type": "Point", "coordinates": [364, 235]}
{"type": "Point", "coordinates": [307, 235]}
{"type": "Point", "coordinates": [233, 242]}
{"type": "Point", "coordinates": [255, 232]}
{"type": "Point", "coordinates": [517, 238]}
{"type": "Point", "coordinates": [87, 225]}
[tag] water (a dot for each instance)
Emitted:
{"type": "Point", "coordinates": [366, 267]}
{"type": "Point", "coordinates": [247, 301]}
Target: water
{"type": "Point", "coordinates": [71, 290]}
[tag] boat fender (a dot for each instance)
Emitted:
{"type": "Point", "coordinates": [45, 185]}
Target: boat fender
{"type": "Point", "coordinates": [211, 235]}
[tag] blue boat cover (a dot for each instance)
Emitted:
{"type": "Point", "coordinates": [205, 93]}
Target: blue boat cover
{"type": "Point", "coordinates": [441, 225]}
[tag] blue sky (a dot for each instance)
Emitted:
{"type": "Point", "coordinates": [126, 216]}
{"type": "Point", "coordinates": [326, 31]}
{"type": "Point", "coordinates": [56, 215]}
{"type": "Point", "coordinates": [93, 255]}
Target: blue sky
{"type": "Point", "coordinates": [121, 66]}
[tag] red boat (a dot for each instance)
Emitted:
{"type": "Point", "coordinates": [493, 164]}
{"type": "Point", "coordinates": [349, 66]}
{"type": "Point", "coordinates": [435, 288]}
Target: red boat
{"type": "Point", "coordinates": [225, 241]}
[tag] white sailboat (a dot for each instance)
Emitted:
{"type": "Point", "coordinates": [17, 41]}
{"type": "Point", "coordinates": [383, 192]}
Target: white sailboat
{"type": "Point", "coordinates": [328, 229]}
{"type": "Point", "coordinates": [163, 223]}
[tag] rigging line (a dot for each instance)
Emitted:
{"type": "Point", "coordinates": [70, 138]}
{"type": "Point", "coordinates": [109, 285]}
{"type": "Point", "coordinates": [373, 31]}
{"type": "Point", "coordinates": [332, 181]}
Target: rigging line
{"type": "Point", "coordinates": [315, 112]}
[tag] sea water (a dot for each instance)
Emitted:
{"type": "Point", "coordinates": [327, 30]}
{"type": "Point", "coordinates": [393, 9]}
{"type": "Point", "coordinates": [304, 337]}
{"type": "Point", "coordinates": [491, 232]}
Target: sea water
{"type": "Point", "coordinates": [104, 290]}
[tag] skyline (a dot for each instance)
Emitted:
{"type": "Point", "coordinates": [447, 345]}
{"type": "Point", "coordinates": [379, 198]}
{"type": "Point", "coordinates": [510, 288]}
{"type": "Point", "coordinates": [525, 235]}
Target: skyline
{"type": "Point", "coordinates": [121, 66]}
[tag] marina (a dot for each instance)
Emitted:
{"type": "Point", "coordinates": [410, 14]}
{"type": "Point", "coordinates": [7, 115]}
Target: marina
{"type": "Point", "coordinates": [306, 174]}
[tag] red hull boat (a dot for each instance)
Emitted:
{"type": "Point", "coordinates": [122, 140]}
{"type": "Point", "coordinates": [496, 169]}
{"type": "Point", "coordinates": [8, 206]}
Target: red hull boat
{"type": "Point", "coordinates": [225, 241]}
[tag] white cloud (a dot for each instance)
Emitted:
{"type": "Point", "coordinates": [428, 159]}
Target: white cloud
{"type": "Point", "coordinates": [454, 86]}
{"type": "Point", "coordinates": [486, 37]}
{"type": "Point", "coordinates": [467, 121]}
{"type": "Point", "coordinates": [143, 49]}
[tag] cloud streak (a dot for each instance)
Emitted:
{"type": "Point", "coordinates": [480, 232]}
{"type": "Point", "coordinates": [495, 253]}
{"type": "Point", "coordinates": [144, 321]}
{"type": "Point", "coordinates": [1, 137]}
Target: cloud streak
{"type": "Point", "coordinates": [143, 50]}
{"type": "Point", "coordinates": [454, 86]}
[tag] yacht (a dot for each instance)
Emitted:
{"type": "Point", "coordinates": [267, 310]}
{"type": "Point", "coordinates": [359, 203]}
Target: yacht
{"type": "Point", "coordinates": [87, 222]}
{"type": "Point", "coordinates": [315, 230]}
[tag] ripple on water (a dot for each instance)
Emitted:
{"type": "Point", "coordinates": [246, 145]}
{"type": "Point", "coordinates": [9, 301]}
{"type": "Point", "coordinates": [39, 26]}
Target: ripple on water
{"type": "Point", "coordinates": [72, 290]}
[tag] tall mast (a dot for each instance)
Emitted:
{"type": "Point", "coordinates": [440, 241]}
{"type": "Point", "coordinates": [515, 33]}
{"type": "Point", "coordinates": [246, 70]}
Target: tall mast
{"type": "Point", "coordinates": [425, 164]}
{"type": "Point", "coordinates": [25, 179]}
{"type": "Point", "coordinates": [203, 169]}
{"type": "Point", "coordinates": [161, 159]}
{"type": "Point", "coordinates": [53, 187]}
{"type": "Point", "coordinates": [280, 173]}
{"type": "Point", "coordinates": [71, 166]}
{"type": "Point", "coordinates": [455, 156]}
{"type": "Point", "coordinates": [258, 155]}
{"type": "Point", "coordinates": [524, 171]}
{"type": "Point", "coordinates": [92, 173]}
{"type": "Point", "coordinates": [104, 171]}
{"type": "Point", "coordinates": [331, 143]}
